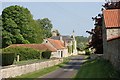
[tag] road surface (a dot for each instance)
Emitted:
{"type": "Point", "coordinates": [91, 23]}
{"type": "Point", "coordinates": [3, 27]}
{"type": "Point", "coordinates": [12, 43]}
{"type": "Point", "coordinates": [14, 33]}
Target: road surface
{"type": "Point", "coordinates": [67, 71]}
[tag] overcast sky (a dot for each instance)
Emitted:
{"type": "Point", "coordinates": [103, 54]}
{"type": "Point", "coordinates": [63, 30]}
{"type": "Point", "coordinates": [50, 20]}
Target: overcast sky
{"type": "Point", "coordinates": [65, 16]}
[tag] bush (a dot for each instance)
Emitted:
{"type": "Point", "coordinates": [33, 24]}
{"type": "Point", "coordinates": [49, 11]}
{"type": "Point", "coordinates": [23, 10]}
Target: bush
{"type": "Point", "coordinates": [87, 52]}
{"type": "Point", "coordinates": [24, 53]}
{"type": "Point", "coordinates": [70, 50]}
{"type": "Point", "coordinates": [46, 54]}
{"type": "Point", "coordinates": [7, 58]}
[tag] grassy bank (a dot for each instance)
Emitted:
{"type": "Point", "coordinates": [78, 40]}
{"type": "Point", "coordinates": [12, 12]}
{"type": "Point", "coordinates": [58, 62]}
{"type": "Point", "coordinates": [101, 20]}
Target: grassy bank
{"type": "Point", "coordinates": [97, 69]}
{"type": "Point", "coordinates": [44, 71]}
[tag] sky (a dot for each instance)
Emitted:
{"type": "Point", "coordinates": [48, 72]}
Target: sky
{"type": "Point", "coordinates": [65, 16]}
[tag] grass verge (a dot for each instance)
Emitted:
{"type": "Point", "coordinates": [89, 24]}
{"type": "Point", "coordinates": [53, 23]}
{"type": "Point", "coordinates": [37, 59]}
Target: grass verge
{"type": "Point", "coordinates": [29, 61]}
{"type": "Point", "coordinates": [44, 71]}
{"type": "Point", "coordinates": [98, 68]}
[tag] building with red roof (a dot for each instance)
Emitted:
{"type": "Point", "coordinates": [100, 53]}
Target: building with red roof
{"type": "Point", "coordinates": [112, 23]}
{"type": "Point", "coordinates": [56, 47]}
{"type": "Point", "coordinates": [111, 33]}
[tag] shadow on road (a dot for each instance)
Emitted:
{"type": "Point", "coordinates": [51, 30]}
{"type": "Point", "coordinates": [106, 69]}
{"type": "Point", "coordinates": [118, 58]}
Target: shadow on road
{"type": "Point", "coordinates": [74, 63]}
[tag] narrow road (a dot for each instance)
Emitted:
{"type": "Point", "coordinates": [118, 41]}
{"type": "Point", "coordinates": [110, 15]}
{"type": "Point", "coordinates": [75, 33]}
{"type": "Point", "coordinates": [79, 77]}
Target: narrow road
{"type": "Point", "coordinates": [69, 70]}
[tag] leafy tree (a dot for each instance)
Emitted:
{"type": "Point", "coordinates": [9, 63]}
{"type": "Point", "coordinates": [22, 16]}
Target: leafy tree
{"type": "Point", "coordinates": [96, 40]}
{"type": "Point", "coordinates": [19, 26]}
{"type": "Point", "coordinates": [0, 31]}
{"type": "Point", "coordinates": [81, 42]}
{"type": "Point", "coordinates": [46, 26]}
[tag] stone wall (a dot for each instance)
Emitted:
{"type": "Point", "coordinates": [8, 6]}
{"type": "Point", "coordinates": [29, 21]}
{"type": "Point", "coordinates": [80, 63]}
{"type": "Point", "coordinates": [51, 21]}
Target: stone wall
{"type": "Point", "coordinates": [112, 52]}
{"type": "Point", "coordinates": [15, 70]}
{"type": "Point", "coordinates": [111, 49]}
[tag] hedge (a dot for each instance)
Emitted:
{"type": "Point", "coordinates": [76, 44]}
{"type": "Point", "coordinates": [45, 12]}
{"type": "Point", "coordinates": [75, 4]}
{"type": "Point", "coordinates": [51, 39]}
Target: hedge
{"type": "Point", "coordinates": [46, 54]}
{"type": "Point", "coordinates": [7, 58]}
{"type": "Point", "coordinates": [24, 53]}
{"type": "Point", "coordinates": [87, 52]}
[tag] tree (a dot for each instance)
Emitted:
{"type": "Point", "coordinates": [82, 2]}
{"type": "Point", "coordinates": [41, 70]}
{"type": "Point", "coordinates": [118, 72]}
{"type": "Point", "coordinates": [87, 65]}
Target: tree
{"type": "Point", "coordinates": [19, 26]}
{"type": "Point", "coordinates": [0, 31]}
{"type": "Point", "coordinates": [96, 40]}
{"type": "Point", "coordinates": [46, 26]}
{"type": "Point", "coordinates": [81, 42]}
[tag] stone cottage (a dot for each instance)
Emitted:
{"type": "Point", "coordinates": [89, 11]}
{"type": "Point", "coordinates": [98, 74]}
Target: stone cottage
{"type": "Point", "coordinates": [111, 34]}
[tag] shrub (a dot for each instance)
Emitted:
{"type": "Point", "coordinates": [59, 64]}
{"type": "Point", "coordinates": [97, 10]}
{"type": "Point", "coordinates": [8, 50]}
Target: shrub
{"type": "Point", "coordinates": [87, 52]}
{"type": "Point", "coordinates": [46, 54]}
{"type": "Point", "coordinates": [70, 50]}
{"type": "Point", "coordinates": [7, 58]}
{"type": "Point", "coordinates": [24, 53]}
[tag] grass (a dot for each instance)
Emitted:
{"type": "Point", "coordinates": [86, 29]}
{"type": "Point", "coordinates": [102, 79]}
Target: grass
{"type": "Point", "coordinates": [44, 71]}
{"type": "Point", "coordinates": [98, 68]}
{"type": "Point", "coordinates": [28, 61]}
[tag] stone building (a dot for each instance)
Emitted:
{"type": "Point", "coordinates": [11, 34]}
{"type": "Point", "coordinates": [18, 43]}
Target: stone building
{"type": "Point", "coordinates": [111, 36]}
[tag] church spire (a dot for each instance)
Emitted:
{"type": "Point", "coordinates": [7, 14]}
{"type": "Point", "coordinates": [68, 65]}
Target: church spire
{"type": "Point", "coordinates": [73, 34]}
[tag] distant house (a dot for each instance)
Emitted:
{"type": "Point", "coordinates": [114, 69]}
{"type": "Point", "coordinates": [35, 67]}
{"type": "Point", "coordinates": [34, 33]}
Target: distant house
{"type": "Point", "coordinates": [111, 36]}
{"type": "Point", "coordinates": [68, 41]}
{"type": "Point", "coordinates": [61, 50]}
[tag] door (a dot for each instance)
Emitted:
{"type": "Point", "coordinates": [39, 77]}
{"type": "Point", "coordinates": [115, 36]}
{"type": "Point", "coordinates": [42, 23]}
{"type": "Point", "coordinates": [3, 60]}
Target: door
{"type": "Point", "coordinates": [61, 53]}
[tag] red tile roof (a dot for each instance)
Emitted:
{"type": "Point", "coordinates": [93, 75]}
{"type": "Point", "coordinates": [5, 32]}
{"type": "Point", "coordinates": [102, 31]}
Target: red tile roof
{"type": "Point", "coordinates": [112, 18]}
{"type": "Point", "coordinates": [56, 43]}
{"type": "Point", "coordinates": [41, 47]}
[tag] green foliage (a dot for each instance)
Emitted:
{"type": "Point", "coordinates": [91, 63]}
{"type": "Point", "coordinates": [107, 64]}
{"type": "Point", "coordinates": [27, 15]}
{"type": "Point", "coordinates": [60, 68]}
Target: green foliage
{"type": "Point", "coordinates": [70, 49]}
{"type": "Point", "coordinates": [81, 42]}
{"type": "Point", "coordinates": [7, 58]}
{"type": "Point", "coordinates": [46, 26]}
{"type": "Point", "coordinates": [24, 53]}
{"type": "Point", "coordinates": [46, 54]}
{"type": "Point", "coordinates": [73, 45]}
{"type": "Point", "coordinates": [96, 35]}
{"type": "Point", "coordinates": [19, 26]}
{"type": "Point", "coordinates": [0, 31]}
{"type": "Point", "coordinates": [87, 52]}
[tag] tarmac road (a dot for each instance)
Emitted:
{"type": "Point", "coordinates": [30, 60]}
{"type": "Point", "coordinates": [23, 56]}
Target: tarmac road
{"type": "Point", "coordinates": [67, 71]}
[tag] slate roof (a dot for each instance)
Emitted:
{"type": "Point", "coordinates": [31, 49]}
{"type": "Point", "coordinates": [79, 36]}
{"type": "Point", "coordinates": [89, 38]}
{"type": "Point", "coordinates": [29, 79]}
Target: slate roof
{"type": "Point", "coordinates": [112, 18]}
{"type": "Point", "coordinates": [41, 47]}
{"type": "Point", "coordinates": [65, 38]}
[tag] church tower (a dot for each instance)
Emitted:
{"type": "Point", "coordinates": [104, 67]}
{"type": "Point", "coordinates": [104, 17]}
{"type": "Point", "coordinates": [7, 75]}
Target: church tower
{"type": "Point", "coordinates": [74, 43]}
